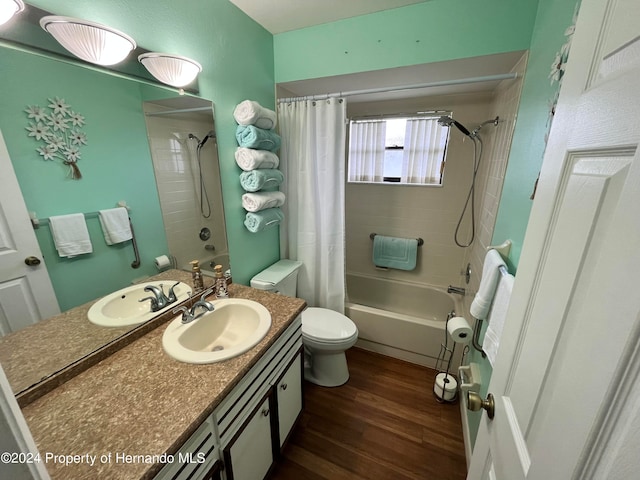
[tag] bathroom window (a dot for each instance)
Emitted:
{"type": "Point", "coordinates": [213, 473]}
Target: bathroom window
{"type": "Point", "coordinates": [397, 150]}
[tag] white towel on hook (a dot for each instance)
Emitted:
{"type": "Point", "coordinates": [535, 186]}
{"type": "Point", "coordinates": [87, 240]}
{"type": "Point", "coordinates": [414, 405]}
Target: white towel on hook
{"type": "Point", "coordinates": [488, 283]}
{"type": "Point", "coordinates": [70, 235]}
{"type": "Point", "coordinates": [115, 225]}
{"type": "Point", "coordinates": [497, 316]}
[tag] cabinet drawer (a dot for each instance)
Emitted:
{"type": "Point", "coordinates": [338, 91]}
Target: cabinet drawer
{"type": "Point", "coordinates": [195, 458]}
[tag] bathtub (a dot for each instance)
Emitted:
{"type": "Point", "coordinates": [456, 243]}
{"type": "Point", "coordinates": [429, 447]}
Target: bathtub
{"type": "Point", "coordinates": [400, 319]}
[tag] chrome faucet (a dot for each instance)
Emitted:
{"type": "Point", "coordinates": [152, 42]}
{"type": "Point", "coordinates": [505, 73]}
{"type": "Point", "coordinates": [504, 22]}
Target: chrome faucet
{"type": "Point", "coordinates": [457, 290]}
{"type": "Point", "coordinates": [190, 315]}
{"type": "Point", "coordinates": [159, 299]}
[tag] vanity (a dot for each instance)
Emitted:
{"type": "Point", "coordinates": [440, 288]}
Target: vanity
{"type": "Point", "coordinates": [139, 414]}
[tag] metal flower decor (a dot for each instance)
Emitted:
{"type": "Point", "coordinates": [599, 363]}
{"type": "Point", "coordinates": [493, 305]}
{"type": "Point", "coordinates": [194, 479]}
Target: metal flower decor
{"type": "Point", "coordinates": [59, 129]}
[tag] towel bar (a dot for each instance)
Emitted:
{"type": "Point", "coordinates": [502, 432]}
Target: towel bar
{"type": "Point", "coordinates": [420, 241]}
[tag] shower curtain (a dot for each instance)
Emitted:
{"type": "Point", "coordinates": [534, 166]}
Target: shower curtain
{"type": "Point", "coordinates": [312, 158]}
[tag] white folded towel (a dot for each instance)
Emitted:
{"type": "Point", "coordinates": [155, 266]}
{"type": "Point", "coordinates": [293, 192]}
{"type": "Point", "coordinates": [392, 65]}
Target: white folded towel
{"type": "Point", "coordinates": [497, 316]}
{"type": "Point", "coordinates": [250, 112]}
{"type": "Point", "coordinates": [115, 225]}
{"type": "Point", "coordinates": [70, 235]}
{"type": "Point", "coordinates": [250, 159]}
{"type": "Point", "coordinates": [488, 283]}
{"type": "Point", "coordinates": [254, 202]}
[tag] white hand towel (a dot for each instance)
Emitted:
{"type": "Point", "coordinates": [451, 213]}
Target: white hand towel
{"type": "Point", "coordinates": [70, 235]}
{"type": "Point", "coordinates": [254, 202]}
{"type": "Point", "coordinates": [250, 112]}
{"type": "Point", "coordinates": [250, 159]}
{"type": "Point", "coordinates": [497, 316]}
{"type": "Point", "coordinates": [115, 225]}
{"type": "Point", "coordinates": [488, 283]}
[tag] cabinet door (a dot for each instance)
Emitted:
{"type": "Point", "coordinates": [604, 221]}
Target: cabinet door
{"type": "Point", "coordinates": [289, 391]}
{"type": "Point", "coordinates": [249, 455]}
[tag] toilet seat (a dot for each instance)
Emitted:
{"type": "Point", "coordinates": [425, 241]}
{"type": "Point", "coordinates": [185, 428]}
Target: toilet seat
{"type": "Point", "coordinates": [327, 326]}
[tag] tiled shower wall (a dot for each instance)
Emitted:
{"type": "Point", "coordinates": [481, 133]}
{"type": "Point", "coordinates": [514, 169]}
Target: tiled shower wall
{"type": "Point", "coordinates": [492, 172]}
{"type": "Point", "coordinates": [176, 170]}
{"type": "Point", "coordinates": [427, 212]}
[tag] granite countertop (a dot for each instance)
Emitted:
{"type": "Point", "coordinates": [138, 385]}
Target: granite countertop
{"type": "Point", "coordinates": [57, 348]}
{"type": "Point", "coordinates": [140, 401]}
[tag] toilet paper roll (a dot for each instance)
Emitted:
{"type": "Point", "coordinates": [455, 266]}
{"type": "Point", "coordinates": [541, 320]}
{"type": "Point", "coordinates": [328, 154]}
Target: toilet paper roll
{"type": "Point", "coordinates": [445, 386]}
{"type": "Point", "coordinates": [162, 262]}
{"type": "Point", "coordinates": [459, 329]}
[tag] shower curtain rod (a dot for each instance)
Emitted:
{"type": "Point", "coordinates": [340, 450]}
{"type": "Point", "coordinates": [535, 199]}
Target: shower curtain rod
{"type": "Point", "coordinates": [443, 83]}
{"type": "Point", "coordinates": [180, 110]}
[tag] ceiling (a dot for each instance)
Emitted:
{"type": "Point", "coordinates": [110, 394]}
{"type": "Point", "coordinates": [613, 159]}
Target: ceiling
{"type": "Point", "coordinates": [279, 16]}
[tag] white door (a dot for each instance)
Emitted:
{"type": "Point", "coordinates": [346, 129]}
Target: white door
{"type": "Point", "coordinates": [567, 377]}
{"type": "Point", "coordinates": [26, 293]}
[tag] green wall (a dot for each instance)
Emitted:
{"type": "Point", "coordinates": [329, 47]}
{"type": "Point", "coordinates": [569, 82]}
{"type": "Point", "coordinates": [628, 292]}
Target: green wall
{"type": "Point", "coordinates": [427, 32]}
{"type": "Point", "coordinates": [525, 158]}
{"type": "Point", "coordinates": [237, 59]}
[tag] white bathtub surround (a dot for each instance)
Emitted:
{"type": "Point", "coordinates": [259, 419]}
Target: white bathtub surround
{"type": "Point", "coordinates": [312, 158]}
{"type": "Point", "coordinates": [400, 319]}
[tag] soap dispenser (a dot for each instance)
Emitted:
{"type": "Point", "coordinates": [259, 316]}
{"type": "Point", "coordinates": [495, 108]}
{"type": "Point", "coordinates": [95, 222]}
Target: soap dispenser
{"type": "Point", "coordinates": [196, 275]}
{"type": "Point", "coordinates": [221, 287]}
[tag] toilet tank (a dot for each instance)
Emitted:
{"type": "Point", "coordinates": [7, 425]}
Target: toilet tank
{"type": "Point", "coordinates": [281, 277]}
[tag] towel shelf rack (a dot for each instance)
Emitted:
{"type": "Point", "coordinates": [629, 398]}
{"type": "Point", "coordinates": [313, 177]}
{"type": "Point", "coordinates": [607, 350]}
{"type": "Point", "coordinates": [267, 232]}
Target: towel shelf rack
{"type": "Point", "coordinates": [419, 240]}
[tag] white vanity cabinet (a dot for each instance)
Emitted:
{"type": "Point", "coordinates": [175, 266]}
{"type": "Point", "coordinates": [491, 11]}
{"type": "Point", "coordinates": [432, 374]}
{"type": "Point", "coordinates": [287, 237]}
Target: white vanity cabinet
{"type": "Point", "coordinates": [244, 435]}
{"type": "Point", "coordinates": [258, 414]}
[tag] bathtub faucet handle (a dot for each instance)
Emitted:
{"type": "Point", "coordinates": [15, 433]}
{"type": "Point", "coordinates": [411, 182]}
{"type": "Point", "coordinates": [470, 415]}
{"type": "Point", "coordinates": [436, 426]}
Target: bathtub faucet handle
{"type": "Point", "coordinates": [456, 290]}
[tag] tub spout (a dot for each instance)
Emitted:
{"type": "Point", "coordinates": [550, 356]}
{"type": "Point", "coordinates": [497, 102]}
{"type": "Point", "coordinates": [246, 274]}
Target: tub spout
{"type": "Point", "coordinates": [457, 290]}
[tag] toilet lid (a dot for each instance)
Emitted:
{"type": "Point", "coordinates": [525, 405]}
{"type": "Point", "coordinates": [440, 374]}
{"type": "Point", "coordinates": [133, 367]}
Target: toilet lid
{"type": "Point", "coordinates": [327, 325]}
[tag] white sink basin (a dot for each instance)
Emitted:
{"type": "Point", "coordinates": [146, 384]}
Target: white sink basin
{"type": "Point", "coordinates": [235, 326]}
{"type": "Point", "coordinates": [122, 308]}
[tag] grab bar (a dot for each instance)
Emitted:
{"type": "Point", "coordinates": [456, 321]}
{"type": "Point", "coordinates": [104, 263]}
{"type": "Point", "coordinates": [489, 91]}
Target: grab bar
{"type": "Point", "coordinates": [475, 341]}
{"type": "Point", "coordinates": [136, 262]}
{"type": "Point", "coordinates": [419, 240]}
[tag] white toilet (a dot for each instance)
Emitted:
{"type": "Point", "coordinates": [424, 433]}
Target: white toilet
{"type": "Point", "coordinates": [326, 334]}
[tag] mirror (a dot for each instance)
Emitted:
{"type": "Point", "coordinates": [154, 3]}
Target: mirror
{"type": "Point", "coordinates": [138, 147]}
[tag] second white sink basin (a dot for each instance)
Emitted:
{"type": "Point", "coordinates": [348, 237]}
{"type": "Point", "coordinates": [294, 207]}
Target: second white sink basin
{"type": "Point", "coordinates": [235, 326]}
{"type": "Point", "coordinates": [123, 308]}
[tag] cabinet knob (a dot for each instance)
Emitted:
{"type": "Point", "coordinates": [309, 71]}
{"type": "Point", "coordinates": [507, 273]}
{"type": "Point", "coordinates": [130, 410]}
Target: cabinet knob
{"type": "Point", "coordinates": [283, 386]}
{"type": "Point", "coordinates": [265, 412]}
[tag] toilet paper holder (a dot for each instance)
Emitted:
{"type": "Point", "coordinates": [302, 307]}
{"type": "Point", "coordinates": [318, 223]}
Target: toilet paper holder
{"type": "Point", "coordinates": [470, 377]}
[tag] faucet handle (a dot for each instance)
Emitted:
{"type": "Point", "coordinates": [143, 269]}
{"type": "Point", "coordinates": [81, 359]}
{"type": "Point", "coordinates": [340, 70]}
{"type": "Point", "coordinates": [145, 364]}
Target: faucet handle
{"type": "Point", "coordinates": [186, 315]}
{"type": "Point", "coordinates": [205, 294]}
{"type": "Point", "coordinates": [154, 302]}
{"type": "Point", "coordinates": [172, 294]}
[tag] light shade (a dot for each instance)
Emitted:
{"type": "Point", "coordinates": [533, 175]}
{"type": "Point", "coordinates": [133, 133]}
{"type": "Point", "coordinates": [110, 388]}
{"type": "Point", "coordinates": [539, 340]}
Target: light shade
{"type": "Point", "coordinates": [173, 70]}
{"type": "Point", "coordinates": [8, 8]}
{"type": "Point", "coordinates": [89, 41]}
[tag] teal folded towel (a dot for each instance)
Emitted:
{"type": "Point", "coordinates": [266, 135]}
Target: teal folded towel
{"type": "Point", "coordinates": [250, 136]}
{"type": "Point", "coordinates": [255, 180]}
{"type": "Point", "coordinates": [392, 252]}
{"type": "Point", "coordinates": [258, 221]}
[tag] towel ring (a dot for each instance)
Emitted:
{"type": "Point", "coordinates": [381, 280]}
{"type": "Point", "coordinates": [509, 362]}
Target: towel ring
{"type": "Point", "coordinates": [419, 240]}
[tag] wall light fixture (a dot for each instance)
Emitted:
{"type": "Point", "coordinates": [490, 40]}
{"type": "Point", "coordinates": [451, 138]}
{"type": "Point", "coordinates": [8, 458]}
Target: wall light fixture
{"type": "Point", "coordinates": [89, 41]}
{"type": "Point", "coordinates": [8, 8]}
{"type": "Point", "coordinates": [173, 70]}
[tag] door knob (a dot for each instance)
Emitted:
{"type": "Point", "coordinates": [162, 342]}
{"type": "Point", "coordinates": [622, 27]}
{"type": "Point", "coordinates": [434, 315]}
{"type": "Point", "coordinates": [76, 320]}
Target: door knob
{"type": "Point", "coordinates": [32, 261]}
{"type": "Point", "coordinates": [475, 403]}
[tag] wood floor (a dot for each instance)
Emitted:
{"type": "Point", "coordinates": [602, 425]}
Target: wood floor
{"type": "Point", "coordinates": [384, 424]}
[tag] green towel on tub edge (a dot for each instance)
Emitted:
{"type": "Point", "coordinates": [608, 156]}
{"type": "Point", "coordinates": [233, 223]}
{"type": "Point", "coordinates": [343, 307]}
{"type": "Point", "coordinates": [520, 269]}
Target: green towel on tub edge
{"type": "Point", "coordinates": [392, 252]}
{"type": "Point", "coordinates": [259, 221]}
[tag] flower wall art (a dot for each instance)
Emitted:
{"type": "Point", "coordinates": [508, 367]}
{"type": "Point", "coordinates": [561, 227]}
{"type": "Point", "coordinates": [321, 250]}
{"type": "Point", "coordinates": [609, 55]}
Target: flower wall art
{"type": "Point", "coordinates": [58, 130]}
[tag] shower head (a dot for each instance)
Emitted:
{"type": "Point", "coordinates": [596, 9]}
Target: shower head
{"type": "Point", "coordinates": [448, 121]}
{"type": "Point", "coordinates": [210, 134]}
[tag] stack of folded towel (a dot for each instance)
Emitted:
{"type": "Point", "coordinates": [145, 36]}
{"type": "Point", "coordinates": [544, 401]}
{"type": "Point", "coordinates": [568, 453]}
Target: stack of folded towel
{"type": "Point", "coordinates": [255, 156]}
